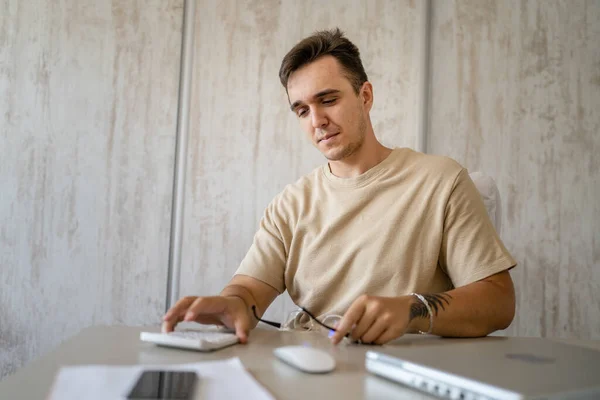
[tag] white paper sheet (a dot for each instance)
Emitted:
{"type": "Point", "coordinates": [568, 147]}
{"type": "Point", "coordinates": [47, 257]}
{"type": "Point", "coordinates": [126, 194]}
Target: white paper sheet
{"type": "Point", "coordinates": [223, 379]}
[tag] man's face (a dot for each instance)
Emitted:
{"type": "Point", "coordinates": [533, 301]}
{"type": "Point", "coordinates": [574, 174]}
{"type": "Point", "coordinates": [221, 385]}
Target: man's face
{"type": "Point", "coordinates": [330, 112]}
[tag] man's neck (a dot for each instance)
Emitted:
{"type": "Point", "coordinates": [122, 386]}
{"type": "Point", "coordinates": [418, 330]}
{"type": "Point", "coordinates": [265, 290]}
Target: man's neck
{"type": "Point", "coordinates": [368, 156]}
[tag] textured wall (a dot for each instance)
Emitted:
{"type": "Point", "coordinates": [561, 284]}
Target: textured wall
{"type": "Point", "coordinates": [87, 121]}
{"type": "Point", "coordinates": [515, 92]}
{"type": "Point", "coordinates": [245, 145]}
{"type": "Point", "coordinates": [88, 102]}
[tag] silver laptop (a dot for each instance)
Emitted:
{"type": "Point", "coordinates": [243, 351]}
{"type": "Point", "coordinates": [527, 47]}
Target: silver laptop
{"type": "Point", "coordinates": [492, 368]}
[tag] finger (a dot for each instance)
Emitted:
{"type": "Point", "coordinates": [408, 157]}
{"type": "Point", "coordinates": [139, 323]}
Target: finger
{"type": "Point", "coordinates": [206, 306]}
{"type": "Point", "coordinates": [170, 324]}
{"type": "Point", "coordinates": [242, 328]}
{"type": "Point", "coordinates": [388, 335]}
{"type": "Point", "coordinates": [179, 308]}
{"type": "Point", "coordinates": [175, 314]}
{"type": "Point", "coordinates": [374, 331]}
{"type": "Point", "coordinates": [364, 323]}
{"type": "Point", "coordinates": [349, 319]}
{"type": "Point", "coordinates": [208, 320]}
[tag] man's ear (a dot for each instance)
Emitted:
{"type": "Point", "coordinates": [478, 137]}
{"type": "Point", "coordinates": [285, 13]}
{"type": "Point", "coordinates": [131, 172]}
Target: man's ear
{"type": "Point", "coordinates": [366, 95]}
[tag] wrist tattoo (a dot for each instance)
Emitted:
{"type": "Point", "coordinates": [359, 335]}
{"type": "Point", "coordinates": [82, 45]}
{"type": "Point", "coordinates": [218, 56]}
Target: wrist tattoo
{"type": "Point", "coordinates": [436, 302]}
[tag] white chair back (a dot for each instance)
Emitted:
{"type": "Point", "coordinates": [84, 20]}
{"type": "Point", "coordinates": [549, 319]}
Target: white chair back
{"type": "Point", "coordinates": [491, 197]}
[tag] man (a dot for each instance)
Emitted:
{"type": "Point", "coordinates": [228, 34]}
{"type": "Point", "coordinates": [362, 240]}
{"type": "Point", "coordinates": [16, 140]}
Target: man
{"type": "Point", "coordinates": [394, 240]}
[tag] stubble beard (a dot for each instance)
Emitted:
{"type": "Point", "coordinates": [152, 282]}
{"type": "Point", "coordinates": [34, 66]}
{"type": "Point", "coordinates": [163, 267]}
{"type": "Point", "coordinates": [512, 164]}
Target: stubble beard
{"type": "Point", "coordinates": [352, 147]}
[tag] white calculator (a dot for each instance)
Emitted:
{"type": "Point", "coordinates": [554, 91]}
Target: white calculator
{"type": "Point", "coordinates": [192, 339]}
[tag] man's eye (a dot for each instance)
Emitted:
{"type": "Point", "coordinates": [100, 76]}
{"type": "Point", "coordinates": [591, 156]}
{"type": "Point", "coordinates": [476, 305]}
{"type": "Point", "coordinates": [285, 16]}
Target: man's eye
{"type": "Point", "coordinates": [330, 101]}
{"type": "Point", "coordinates": [301, 113]}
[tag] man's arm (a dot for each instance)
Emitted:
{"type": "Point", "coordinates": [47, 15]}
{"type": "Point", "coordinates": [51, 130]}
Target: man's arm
{"type": "Point", "coordinates": [253, 292]}
{"type": "Point", "coordinates": [477, 309]}
{"type": "Point", "coordinates": [474, 310]}
{"type": "Point", "coordinates": [232, 308]}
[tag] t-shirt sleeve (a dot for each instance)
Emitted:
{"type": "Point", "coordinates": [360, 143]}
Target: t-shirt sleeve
{"type": "Point", "coordinates": [471, 248]}
{"type": "Point", "coordinates": [266, 258]}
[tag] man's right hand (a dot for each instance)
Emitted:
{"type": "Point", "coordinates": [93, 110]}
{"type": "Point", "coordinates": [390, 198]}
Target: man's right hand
{"type": "Point", "coordinates": [229, 311]}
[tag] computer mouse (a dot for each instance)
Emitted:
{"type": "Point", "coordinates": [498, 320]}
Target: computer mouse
{"type": "Point", "coordinates": [306, 359]}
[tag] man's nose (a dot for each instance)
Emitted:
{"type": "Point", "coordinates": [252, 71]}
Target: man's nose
{"type": "Point", "coordinates": [318, 119]}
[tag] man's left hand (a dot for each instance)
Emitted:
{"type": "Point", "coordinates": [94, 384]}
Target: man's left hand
{"type": "Point", "coordinates": [373, 319]}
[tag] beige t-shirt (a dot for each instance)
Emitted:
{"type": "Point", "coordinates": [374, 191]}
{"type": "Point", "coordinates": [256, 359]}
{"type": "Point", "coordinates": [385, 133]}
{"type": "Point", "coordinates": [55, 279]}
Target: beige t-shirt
{"type": "Point", "coordinates": [412, 223]}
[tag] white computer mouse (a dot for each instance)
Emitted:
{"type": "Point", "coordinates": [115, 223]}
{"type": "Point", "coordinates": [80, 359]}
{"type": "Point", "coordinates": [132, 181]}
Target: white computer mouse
{"type": "Point", "coordinates": [306, 359]}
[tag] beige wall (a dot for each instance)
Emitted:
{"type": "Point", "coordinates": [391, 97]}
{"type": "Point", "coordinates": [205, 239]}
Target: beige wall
{"type": "Point", "coordinates": [515, 92]}
{"type": "Point", "coordinates": [88, 102]}
{"type": "Point", "coordinates": [245, 145]}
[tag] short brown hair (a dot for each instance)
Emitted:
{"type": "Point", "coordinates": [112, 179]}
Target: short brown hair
{"type": "Point", "coordinates": [323, 43]}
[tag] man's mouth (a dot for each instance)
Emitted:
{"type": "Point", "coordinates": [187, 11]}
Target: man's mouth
{"type": "Point", "coordinates": [327, 137]}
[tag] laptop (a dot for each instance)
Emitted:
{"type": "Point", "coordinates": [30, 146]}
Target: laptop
{"type": "Point", "coordinates": [496, 368]}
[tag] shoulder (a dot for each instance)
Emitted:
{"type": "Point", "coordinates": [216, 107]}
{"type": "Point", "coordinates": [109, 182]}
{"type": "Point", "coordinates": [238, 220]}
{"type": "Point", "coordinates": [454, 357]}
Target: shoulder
{"type": "Point", "coordinates": [303, 187]}
{"type": "Point", "coordinates": [294, 196]}
{"type": "Point", "coordinates": [431, 166]}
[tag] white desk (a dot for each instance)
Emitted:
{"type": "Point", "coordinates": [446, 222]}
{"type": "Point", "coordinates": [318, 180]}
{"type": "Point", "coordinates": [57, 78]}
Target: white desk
{"type": "Point", "coordinates": [114, 345]}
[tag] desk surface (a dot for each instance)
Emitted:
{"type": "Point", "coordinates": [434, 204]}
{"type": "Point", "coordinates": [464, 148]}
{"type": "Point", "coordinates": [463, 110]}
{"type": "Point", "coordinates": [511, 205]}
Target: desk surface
{"type": "Point", "coordinates": [115, 345]}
